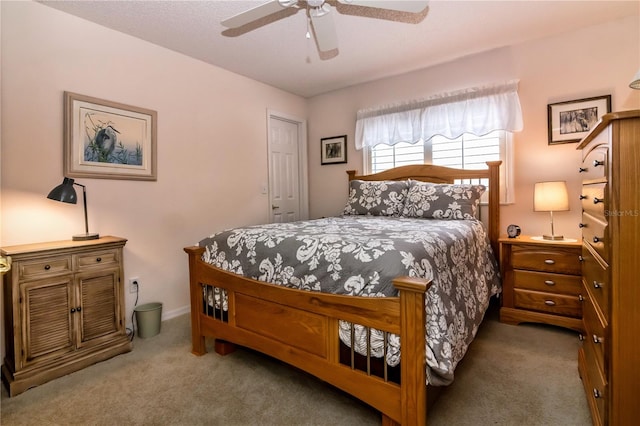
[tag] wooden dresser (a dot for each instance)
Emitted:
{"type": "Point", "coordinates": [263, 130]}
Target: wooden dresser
{"type": "Point", "coordinates": [541, 282]}
{"type": "Point", "coordinates": [609, 359]}
{"type": "Point", "coordinates": [63, 309]}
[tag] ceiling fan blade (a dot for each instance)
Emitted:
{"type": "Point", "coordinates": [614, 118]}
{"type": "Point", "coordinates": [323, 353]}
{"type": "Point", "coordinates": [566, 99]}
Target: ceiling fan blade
{"type": "Point", "coordinates": [412, 6]}
{"type": "Point", "coordinates": [258, 12]}
{"type": "Point", "coordinates": [324, 28]}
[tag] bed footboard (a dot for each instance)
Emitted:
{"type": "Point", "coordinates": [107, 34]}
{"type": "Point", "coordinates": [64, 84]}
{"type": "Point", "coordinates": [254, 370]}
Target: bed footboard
{"type": "Point", "coordinates": [301, 328]}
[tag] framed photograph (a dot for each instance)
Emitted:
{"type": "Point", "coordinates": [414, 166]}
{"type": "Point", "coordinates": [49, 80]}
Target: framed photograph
{"type": "Point", "coordinates": [571, 121]}
{"type": "Point", "coordinates": [108, 140]}
{"type": "Point", "coordinates": [333, 150]}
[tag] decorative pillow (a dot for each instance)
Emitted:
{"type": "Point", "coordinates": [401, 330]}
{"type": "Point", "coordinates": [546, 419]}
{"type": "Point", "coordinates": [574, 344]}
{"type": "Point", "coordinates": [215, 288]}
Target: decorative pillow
{"type": "Point", "coordinates": [377, 198]}
{"type": "Point", "coordinates": [442, 201]}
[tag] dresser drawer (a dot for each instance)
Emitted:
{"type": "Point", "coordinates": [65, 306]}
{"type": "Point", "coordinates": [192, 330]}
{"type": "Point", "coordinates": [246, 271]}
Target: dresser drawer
{"type": "Point", "coordinates": [594, 201]}
{"type": "Point", "coordinates": [595, 164]}
{"type": "Point", "coordinates": [547, 282]}
{"type": "Point", "coordinates": [45, 268]}
{"type": "Point", "coordinates": [96, 258]}
{"type": "Point", "coordinates": [595, 338]}
{"type": "Point", "coordinates": [596, 281]}
{"type": "Point", "coordinates": [552, 303]}
{"type": "Point", "coordinates": [595, 386]}
{"type": "Point", "coordinates": [594, 232]}
{"type": "Point", "coordinates": [552, 259]}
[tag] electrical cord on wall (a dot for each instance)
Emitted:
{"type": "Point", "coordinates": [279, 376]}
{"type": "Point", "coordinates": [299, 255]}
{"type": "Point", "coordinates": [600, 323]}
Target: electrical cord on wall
{"type": "Point", "coordinates": [132, 330]}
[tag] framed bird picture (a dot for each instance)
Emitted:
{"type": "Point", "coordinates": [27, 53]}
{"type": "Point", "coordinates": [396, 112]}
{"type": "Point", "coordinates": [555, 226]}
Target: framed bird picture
{"type": "Point", "coordinates": [108, 140]}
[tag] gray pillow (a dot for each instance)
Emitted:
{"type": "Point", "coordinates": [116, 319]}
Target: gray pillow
{"type": "Point", "coordinates": [377, 198]}
{"type": "Point", "coordinates": [442, 201]}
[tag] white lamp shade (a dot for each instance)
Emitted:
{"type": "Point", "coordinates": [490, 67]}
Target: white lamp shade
{"type": "Point", "coordinates": [550, 197]}
{"type": "Point", "coordinates": [635, 83]}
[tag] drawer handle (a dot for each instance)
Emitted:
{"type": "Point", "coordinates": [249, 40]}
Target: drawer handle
{"type": "Point", "coordinates": [581, 337]}
{"type": "Point", "coordinates": [580, 258]}
{"type": "Point", "coordinates": [581, 169]}
{"type": "Point", "coordinates": [550, 282]}
{"type": "Point", "coordinates": [550, 303]}
{"type": "Point", "coordinates": [47, 267]}
{"type": "Point", "coordinates": [581, 298]}
{"type": "Point", "coordinates": [596, 239]}
{"type": "Point", "coordinates": [597, 163]}
{"type": "Point", "coordinates": [73, 310]}
{"type": "Point", "coordinates": [99, 259]}
{"type": "Point", "coordinates": [596, 284]}
{"type": "Point", "coordinates": [596, 339]}
{"type": "Point", "coordinates": [550, 261]}
{"type": "Point", "coordinates": [596, 393]}
{"type": "Point", "coordinates": [582, 225]}
{"type": "Point", "coordinates": [597, 200]}
{"type": "Point", "coordinates": [583, 197]}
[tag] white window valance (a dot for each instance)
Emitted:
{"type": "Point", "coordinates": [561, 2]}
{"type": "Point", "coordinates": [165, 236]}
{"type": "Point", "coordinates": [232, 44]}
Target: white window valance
{"type": "Point", "coordinates": [478, 110]}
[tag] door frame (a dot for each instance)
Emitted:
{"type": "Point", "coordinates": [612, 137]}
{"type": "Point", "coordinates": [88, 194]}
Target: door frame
{"type": "Point", "coordinates": [303, 174]}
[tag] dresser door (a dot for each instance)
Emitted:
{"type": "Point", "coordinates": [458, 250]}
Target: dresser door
{"type": "Point", "coordinates": [47, 320]}
{"type": "Point", "coordinates": [98, 310]}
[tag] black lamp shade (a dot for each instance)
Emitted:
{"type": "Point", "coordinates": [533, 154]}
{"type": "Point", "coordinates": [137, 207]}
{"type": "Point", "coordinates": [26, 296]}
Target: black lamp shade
{"type": "Point", "coordinates": [64, 192]}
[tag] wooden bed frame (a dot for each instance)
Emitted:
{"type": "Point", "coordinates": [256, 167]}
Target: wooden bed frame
{"type": "Point", "coordinates": [301, 327]}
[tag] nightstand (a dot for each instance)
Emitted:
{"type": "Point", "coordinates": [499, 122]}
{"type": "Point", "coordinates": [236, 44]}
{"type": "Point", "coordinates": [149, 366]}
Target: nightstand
{"type": "Point", "coordinates": [63, 309]}
{"type": "Point", "coordinates": [541, 282]}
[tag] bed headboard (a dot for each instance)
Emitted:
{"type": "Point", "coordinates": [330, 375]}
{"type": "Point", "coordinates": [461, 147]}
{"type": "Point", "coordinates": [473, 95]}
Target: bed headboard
{"type": "Point", "coordinates": [440, 174]}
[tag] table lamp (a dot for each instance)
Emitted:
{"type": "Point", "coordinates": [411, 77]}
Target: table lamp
{"type": "Point", "coordinates": [66, 193]}
{"type": "Point", "coordinates": [551, 197]}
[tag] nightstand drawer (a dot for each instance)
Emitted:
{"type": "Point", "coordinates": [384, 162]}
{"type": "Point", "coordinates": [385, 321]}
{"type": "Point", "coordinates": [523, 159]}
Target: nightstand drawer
{"type": "Point", "coordinates": [594, 201]}
{"type": "Point", "coordinates": [548, 302]}
{"type": "Point", "coordinates": [596, 281]}
{"type": "Point", "coordinates": [552, 259]}
{"type": "Point", "coordinates": [45, 268]}
{"type": "Point", "coordinates": [97, 258]}
{"type": "Point", "coordinates": [547, 282]}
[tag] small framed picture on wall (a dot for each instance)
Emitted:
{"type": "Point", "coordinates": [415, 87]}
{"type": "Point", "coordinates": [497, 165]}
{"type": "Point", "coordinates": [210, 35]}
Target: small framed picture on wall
{"type": "Point", "coordinates": [333, 150]}
{"type": "Point", "coordinates": [571, 121]}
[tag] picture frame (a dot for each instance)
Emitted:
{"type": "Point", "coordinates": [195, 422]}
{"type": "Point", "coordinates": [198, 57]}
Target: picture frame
{"type": "Point", "coordinates": [108, 140]}
{"type": "Point", "coordinates": [333, 150]}
{"type": "Point", "coordinates": [570, 121]}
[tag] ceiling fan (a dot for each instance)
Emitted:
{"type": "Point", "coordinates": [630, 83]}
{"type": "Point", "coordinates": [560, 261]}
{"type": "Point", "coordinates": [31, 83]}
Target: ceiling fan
{"type": "Point", "coordinates": [319, 13]}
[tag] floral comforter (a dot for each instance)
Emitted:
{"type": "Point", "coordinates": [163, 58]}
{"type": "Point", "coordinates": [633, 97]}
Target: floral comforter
{"type": "Point", "coordinates": [360, 255]}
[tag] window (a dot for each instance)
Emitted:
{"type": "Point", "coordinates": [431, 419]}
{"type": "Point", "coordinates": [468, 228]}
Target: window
{"type": "Point", "coordinates": [466, 152]}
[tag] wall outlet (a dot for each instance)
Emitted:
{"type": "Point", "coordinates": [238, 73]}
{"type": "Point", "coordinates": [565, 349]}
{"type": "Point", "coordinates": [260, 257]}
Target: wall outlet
{"type": "Point", "coordinates": [134, 284]}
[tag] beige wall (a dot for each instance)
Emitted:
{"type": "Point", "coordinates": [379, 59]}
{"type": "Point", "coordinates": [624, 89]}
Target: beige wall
{"type": "Point", "coordinates": [591, 62]}
{"type": "Point", "coordinates": [212, 147]}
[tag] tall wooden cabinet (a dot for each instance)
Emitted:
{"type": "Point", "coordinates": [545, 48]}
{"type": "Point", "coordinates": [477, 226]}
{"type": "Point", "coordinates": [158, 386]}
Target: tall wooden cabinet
{"type": "Point", "coordinates": [609, 359]}
{"type": "Point", "coordinates": [63, 309]}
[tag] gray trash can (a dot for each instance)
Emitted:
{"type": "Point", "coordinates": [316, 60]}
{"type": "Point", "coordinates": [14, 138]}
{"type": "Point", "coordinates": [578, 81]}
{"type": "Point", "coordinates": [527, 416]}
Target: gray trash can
{"type": "Point", "coordinates": [148, 318]}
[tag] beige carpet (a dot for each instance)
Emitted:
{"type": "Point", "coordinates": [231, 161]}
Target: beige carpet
{"type": "Point", "coordinates": [512, 375]}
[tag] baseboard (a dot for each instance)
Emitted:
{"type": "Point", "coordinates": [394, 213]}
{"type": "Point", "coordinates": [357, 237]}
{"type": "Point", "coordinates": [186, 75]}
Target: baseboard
{"type": "Point", "coordinates": [175, 312]}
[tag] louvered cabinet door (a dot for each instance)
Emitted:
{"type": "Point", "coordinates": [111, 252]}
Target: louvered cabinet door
{"type": "Point", "coordinates": [99, 314]}
{"type": "Point", "coordinates": [47, 328]}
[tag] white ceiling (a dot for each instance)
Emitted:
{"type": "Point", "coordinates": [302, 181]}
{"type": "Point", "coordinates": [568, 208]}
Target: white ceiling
{"type": "Point", "coordinates": [276, 51]}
